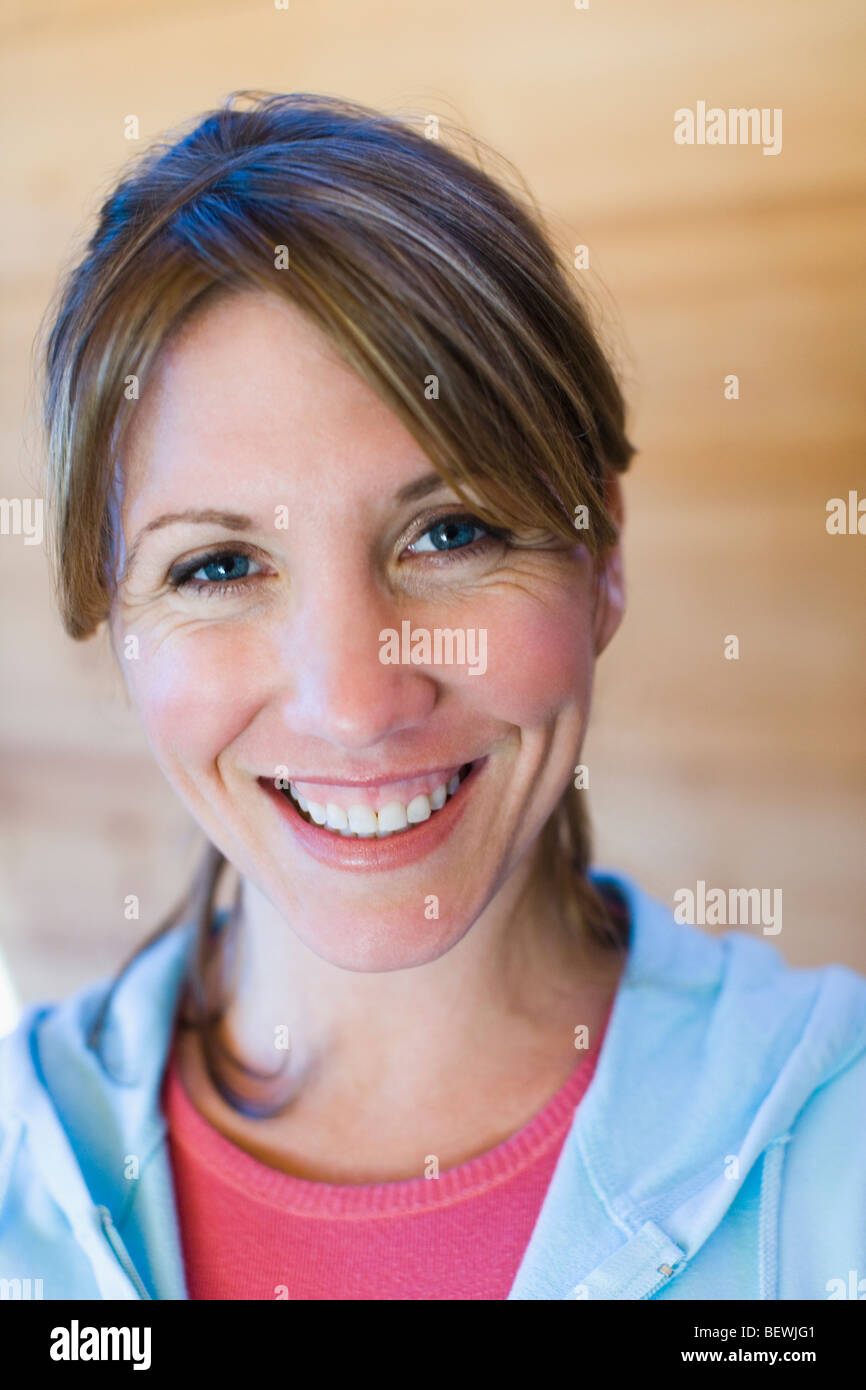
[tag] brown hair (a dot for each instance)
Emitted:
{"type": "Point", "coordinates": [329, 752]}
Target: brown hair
{"type": "Point", "coordinates": [416, 262]}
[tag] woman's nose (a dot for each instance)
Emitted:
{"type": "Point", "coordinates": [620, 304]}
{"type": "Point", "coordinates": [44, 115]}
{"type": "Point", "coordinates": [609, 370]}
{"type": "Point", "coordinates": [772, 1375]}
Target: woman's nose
{"type": "Point", "coordinates": [340, 689]}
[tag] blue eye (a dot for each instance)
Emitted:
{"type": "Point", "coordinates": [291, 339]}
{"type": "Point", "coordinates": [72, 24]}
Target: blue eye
{"type": "Point", "coordinates": [220, 572]}
{"type": "Point", "coordinates": [224, 567]}
{"type": "Point", "coordinates": [450, 533]}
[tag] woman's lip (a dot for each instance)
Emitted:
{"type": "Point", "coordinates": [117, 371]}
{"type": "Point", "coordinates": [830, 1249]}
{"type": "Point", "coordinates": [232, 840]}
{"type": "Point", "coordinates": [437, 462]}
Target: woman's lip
{"type": "Point", "coordinates": [375, 794]}
{"type": "Point", "coordinates": [381, 779]}
{"type": "Point", "coordinates": [391, 852]}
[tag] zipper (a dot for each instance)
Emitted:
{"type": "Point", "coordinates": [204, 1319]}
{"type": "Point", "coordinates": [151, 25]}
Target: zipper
{"type": "Point", "coordinates": [112, 1235]}
{"type": "Point", "coordinates": [768, 1221]}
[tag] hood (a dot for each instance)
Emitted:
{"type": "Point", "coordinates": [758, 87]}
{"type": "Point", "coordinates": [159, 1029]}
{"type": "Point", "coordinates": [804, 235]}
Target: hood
{"type": "Point", "coordinates": [713, 1047]}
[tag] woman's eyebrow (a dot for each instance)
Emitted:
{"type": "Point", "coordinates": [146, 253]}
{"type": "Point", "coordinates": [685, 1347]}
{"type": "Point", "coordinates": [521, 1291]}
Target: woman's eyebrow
{"type": "Point", "coordinates": [232, 521]}
{"type": "Point", "coordinates": [430, 482]}
{"type": "Point", "coordinates": [236, 521]}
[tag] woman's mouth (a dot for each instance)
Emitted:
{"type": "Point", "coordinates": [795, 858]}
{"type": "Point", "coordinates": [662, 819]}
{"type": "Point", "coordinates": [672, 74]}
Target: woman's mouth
{"type": "Point", "coordinates": [374, 827]}
{"type": "Point", "coordinates": [348, 816]}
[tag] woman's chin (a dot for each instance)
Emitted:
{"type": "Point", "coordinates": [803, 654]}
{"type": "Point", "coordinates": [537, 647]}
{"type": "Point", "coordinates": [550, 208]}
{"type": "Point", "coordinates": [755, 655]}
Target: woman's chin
{"type": "Point", "coordinates": [398, 937]}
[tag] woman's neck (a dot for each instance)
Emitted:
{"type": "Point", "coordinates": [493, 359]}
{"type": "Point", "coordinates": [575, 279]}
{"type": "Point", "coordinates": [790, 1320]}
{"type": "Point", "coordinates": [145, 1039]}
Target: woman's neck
{"type": "Point", "coordinates": [467, 1047]}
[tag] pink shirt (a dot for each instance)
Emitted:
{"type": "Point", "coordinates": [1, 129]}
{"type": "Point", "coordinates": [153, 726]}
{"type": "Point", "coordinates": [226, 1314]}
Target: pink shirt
{"type": "Point", "coordinates": [249, 1231]}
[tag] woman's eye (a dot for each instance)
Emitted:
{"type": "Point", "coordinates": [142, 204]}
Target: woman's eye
{"type": "Point", "coordinates": [221, 570]}
{"type": "Point", "coordinates": [450, 533]}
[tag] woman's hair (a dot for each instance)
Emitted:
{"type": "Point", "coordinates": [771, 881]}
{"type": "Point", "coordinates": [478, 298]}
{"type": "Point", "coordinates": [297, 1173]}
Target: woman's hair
{"type": "Point", "coordinates": [435, 282]}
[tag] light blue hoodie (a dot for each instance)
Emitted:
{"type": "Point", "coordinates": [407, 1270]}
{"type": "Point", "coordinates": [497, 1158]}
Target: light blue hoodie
{"type": "Point", "coordinates": [719, 1152]}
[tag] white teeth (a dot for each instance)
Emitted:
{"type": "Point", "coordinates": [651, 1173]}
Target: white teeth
{"type": "Point", "coordinates": [418, 809]}
{"type": "Point", "coordinates": [335, 817]}
{"type": "Point", "coordinates": [362, 819]}
{"type": "Point", "coordinates": [392, 818]}
{"type": "Point", "coordinates": [364, 822]}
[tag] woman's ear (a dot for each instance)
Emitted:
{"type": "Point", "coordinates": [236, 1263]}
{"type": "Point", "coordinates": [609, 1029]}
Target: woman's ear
{"type": "Point", "coordinates": [610, 581]}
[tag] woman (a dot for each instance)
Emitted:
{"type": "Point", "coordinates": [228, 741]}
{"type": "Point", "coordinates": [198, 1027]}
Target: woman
{"type": "Point", "coordinates": [335, 455]}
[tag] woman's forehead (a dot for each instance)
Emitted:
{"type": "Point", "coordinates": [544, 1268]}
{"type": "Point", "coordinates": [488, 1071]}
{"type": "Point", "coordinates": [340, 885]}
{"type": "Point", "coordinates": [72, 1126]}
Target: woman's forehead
{"type": "Point", "coordinates": [225, 419]}
{"type": "Point", "coordinates": [253, 387]}
{"type": "Point", "coordinates": [242, 350]}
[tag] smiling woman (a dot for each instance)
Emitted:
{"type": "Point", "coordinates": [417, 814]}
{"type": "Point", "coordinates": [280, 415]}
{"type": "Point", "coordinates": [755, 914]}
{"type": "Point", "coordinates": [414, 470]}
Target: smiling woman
{"type": "Point", "coordinates": [319, 379]}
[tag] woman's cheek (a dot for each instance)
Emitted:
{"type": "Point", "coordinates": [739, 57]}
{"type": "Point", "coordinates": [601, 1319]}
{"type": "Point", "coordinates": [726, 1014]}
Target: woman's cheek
{"type": "Point", "coordinates": [537, 662]}
{"type": "Point", "coordinates": [196, 693]}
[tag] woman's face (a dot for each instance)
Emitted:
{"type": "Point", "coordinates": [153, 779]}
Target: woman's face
{"type": "Point", "coordinates": [278, 520]}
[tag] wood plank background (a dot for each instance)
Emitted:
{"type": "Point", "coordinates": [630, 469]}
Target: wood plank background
{"type": "Point", "coordinates": [705, 261]}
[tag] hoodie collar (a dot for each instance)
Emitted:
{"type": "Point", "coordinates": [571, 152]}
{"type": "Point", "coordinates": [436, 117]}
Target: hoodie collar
{"type": "Point", "coordinates": [713, 1047]}
{"type": "Point", "coordinates": [88, 1112]}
